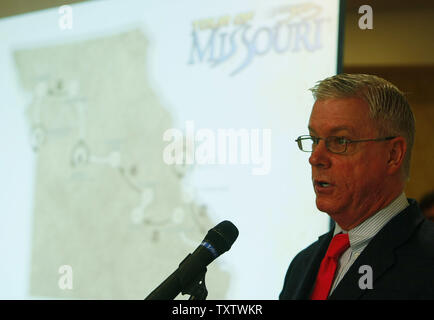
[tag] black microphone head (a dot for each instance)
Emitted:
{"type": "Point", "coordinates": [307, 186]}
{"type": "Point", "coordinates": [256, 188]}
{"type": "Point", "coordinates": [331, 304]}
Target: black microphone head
{"type": "Point", "coordinates": [222, 236]}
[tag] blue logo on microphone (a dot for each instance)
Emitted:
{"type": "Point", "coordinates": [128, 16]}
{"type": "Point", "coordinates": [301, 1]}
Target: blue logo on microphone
{"type": "Point", "coordinates": [210, 248]}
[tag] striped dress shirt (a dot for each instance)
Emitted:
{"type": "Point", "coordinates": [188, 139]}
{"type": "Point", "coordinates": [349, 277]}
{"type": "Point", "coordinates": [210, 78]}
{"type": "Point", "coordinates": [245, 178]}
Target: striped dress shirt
{"type": "Point", "coordinates": [363, 233]}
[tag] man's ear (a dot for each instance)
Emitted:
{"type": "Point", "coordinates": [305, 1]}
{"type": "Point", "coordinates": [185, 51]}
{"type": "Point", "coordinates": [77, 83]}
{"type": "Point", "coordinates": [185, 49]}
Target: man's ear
{"type": "Point", "coordinates": [397, 151]}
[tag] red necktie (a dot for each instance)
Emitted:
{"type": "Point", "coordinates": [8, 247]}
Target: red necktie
{"type": "Point", "coordinates": [326, 273]}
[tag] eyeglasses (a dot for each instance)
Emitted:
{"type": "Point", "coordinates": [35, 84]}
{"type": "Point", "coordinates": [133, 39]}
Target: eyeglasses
{"type": "Point", "coordinates": [308, 143]}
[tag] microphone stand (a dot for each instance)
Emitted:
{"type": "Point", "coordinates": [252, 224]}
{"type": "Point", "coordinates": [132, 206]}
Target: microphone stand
{"type": "Point", "coordinates": [197, 288]}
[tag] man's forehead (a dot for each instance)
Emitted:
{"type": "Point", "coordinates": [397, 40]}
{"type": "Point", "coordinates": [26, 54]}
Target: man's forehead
{"type": "Point", "coordinates": [340, 115]}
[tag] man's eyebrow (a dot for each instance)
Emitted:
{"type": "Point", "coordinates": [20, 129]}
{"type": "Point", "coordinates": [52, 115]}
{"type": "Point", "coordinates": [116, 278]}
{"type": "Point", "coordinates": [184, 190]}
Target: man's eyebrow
{"type": "Point", "coordinates": [342, 128]}
{"type": "Point", "coordinates": [335, 129]}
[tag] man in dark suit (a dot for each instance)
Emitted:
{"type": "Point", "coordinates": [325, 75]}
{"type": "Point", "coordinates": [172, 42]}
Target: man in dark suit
{"type": "Point", "coordinates": [361, 132]}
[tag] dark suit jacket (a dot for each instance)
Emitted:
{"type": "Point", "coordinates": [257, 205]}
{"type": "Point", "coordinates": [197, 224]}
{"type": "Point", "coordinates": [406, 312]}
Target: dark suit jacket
{"type": "Point", "coordinates": [401, 256]}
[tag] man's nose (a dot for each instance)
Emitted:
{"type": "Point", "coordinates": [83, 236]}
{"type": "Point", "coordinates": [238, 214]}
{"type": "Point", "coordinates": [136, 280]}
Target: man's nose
{"type": "Point", "coordinates": [320, 155]}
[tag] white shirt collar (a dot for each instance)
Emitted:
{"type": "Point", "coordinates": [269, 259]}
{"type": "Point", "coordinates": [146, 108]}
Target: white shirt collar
{"type": "Point", "coordinates": [365, 231]}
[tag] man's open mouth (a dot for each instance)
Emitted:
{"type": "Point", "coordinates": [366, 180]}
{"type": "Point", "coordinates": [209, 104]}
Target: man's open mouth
{"type": "Point", "coordinates": [323, 184]}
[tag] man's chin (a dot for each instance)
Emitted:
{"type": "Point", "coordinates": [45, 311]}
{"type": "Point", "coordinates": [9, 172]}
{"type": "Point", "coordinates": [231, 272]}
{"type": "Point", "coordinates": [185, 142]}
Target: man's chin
{"type": "Point", "coordinates": [326, 205]}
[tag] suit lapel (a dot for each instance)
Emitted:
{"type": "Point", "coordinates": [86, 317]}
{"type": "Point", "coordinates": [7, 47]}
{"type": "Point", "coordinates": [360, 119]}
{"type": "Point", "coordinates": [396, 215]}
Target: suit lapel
{"type": "Point", "coordinates": [307, 279]}
{"type": "Point", "coordinates": [379, 253]}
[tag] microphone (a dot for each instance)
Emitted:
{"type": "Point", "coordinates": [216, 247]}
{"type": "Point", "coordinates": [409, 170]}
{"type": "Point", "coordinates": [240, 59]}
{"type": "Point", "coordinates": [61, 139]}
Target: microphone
{"type": "Point", "coordinates": [217, 241]}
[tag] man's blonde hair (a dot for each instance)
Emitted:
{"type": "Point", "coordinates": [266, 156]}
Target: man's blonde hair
{"type": "Point", "coordinates": [388, 105]}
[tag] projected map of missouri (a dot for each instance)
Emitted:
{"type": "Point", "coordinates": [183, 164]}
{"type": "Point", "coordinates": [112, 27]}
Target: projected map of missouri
{"type": "Point", "coordinates": [104, 201]}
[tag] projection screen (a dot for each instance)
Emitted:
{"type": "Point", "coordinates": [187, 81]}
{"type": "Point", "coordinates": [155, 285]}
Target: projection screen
{"type": "Point", "coordinates": [130, 128]}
